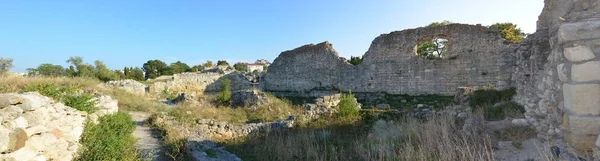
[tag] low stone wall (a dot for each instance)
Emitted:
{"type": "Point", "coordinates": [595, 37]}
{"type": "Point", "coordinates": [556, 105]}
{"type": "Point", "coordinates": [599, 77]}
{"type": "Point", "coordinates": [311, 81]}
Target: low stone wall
{"type": "Point", "coordinates": [202, 82]}
{"type": "Point", "coordinates": [34, 127]}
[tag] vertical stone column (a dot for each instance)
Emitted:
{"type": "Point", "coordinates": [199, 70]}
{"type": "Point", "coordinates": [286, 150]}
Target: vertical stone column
{"type": "Point", "coordinates": [579, 74]}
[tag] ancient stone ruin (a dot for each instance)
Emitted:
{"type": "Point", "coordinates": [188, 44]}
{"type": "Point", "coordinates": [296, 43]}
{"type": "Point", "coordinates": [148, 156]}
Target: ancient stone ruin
{"type": "Point", "coordinates": [556, 70]}
{"type": "Point", "coordinates": [476, 56]}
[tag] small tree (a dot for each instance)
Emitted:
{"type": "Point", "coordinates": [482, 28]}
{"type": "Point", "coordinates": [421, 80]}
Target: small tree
{"type": "Point", "coordinates": [355, 60]}
{"type": "Point", "coordinates": [5, 65]}
{"type": "Point", "coordinates": [47, 70]}
{"type": "Point", "coordinates": [209, 64]}
{"type": "Point", "coordinates": [509, 31]}
{"type": "Point", "coordinates": [348, 107]}
{"type": "Point", "coordinates": [241, 66]}
{"type": "Point", "coordinates": [443, 23]}
{"type": "Point", "coordinates": [222, 62]}
{"type": "Point", "coordinates": [225, 96]}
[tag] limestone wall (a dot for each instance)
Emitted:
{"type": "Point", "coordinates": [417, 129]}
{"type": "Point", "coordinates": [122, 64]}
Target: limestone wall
{"type": "Point", "coordinates": [34, 127]}
{"type": "Point", "coordinates": [558, 74]}
{"type": "Point", "coordinates": [202, 82]}
{"type": "Point", "coordinates": [476, 56]}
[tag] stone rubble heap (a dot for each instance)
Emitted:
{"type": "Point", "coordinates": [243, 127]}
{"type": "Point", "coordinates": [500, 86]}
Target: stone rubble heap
{"type": "Point", "coordinates": [128, 85]}
{"type": "Point", "coordinates": [34, 127]}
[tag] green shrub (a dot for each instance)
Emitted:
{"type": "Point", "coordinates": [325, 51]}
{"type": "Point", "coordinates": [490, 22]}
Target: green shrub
{"type": "Point", "coordinates": [507, 94]}
{"type": "Point", "coordinates": [81, 102]}
{"type": "Point", "coordinates": [484, 97]}
{"type": "Point", "coordinates": [348, 108]}
{"type": "Point", "coordinates": [508, 109]}
{"type": "Point", "coordinates": [225, 95]}
{"type": "Point", "coordinates": [165, 93]}
{"type": "Point", "coordinates": [111, 139]}
{"type": "Point", "coordinates": [67, 94]}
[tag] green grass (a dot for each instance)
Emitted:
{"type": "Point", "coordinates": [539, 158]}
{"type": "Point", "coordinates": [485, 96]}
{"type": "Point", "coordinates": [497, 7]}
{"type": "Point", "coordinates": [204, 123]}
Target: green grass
{"type": "Point", "coordinates": [111, 139]}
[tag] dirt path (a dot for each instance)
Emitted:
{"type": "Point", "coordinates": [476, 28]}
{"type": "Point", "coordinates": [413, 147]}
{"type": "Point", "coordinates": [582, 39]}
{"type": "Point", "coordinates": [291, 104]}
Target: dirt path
{"type": "Point", "coordinates": [149, 142]}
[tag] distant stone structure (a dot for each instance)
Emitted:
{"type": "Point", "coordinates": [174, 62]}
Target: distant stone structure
{"type": "Point", "coordinates": [476, 56]}
{"type": "Point", "coordinates": [208, 82]}
{"type": "Point", "coordinates": [128, 85]}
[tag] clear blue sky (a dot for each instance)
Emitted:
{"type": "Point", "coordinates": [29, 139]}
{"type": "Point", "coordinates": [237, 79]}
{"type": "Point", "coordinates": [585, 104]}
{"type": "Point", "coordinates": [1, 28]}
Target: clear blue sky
{"type": "Point", "coordinates": [130, 32]}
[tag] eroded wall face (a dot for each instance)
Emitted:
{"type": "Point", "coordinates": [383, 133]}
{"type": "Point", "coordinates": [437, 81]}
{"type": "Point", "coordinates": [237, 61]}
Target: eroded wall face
{"type": "Point", "coordinates": [475, 56]}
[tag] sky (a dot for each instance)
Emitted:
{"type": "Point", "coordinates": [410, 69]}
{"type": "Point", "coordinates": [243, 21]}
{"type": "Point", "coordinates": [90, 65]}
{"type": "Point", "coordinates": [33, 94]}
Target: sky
{"type": "Point", "coordinates": [129, 33]}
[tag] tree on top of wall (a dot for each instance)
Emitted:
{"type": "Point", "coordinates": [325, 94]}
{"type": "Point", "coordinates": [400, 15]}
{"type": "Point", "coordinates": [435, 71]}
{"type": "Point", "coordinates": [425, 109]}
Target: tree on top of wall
{"type": "Point", "coordinates": [509, 31]}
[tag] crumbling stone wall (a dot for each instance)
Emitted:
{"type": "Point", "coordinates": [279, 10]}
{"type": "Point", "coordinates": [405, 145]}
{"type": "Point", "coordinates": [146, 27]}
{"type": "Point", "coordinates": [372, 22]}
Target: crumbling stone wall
{"type": "Point", "coordinates": [202, 82]}
{"type": "Point", "coordinates": [558, 74]}
{"type": "Point", "coordinates": [476, 56]}
{"type": "Point", "coordinates": [34, 127]}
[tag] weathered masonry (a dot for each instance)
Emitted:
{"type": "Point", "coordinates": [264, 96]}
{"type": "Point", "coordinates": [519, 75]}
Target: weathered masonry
{"type": "Point", "coordinates": [476, 56]}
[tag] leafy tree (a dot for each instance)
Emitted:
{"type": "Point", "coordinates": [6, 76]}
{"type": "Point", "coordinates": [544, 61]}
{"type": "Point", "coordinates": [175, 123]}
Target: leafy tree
{"type": "Point", "coordinates": [154, 68]}
{"type": "Point", "coordinates": [355, 60]}
{"type": "Point", "coordinates": [225, 95]}
{"type": "Point", "coordinates": [240, 66]}
{"type": "Point", "coordinates": [81, 69]}
{"type": "Point", "coordinates": [137, 74]}
{"type": "Point", "coordinates": [5, 65]}
{"type": "Point", "coordinates": [179, 67]}
{"type": "Point", "coordinates": [71, 71]}
{"type": "Point", "coordinates": [105, 74]}
{"type": "Point", "coordinates": [432, 49]}
{"type": "Point", "coordinates": [443, 23]}
{"type": "Point", "coordinates": [509, 31]}
{"type": "Point", "coordinates": [197, 68]}
{"type": "Point", "coordinates": [48, 70]}
{"type": "Point", "coordinates": [208, 64]}
{"type": "Point", "coordinates": [222, 62]}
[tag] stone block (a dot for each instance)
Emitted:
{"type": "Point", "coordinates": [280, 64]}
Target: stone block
{"type": "Point", "coordinates": [4, 143]}
{"type": "Point", "coordinates": [582, 143]}
{"type": "Point", "coordinates": [579, 53]}
{"type": "Point", "coordinates": [582, 99]}
{"type": "Point", "coordinates": [598, 141]}
{"type": "Point", "coordinates": [21, 154]}
{"type": "Point", "coordinates": [18, 139]}
{"type": "Point", "coordinates": [578, 31]}
{"type": "Point", "coordinates": [562, 72]}
{"type": "Point", "coordinates": [585, 72]}
{"type": "Point", "coordinates": [584, 125]}
{"type": "Point", "coordinates": [9, 99]}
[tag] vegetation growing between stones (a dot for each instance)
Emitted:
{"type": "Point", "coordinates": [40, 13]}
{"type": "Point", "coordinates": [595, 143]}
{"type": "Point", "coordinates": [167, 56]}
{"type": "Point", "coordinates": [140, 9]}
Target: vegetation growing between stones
{"type": "Point", "coordinates": [497, 105]}
{"type": "Point", "coordinates": [66, 94]}
{"type": "Point", "coordinates": [111, 139]}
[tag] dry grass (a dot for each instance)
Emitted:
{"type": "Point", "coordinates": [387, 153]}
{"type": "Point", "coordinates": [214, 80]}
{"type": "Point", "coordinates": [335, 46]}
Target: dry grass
{"type": "Point", "coordinates": [10, 84]}
{"type": "Point", "coordinates": [437, 139]}
{"type": "Point", "coordinates": [274, 109]}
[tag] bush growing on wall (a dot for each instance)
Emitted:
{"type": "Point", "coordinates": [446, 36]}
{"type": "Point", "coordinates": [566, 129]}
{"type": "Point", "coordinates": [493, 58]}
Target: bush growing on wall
{"type": "Point", "coordinates": [225, 95]}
